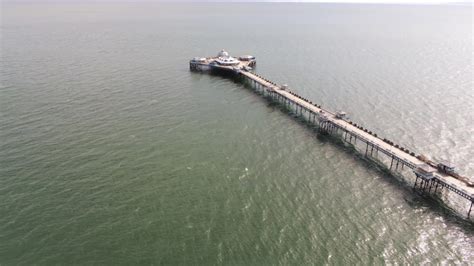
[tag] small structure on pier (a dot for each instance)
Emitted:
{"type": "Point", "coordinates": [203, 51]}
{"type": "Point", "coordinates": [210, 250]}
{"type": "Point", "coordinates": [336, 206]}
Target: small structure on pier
{"type": "Point", "coordinates": [323, 117]}
{"type": "Point", "coordinates": [446, 167]}
{"type": "Point", "coordinates": [247, 58]}
{"type": "Point", "coordinates": [199, 60]}
{"type": "Point", "coordinates": [223, 53]}
{"type": "Point", "coordinates": [341, 114]}
{"type": "Point", "coordinates": [224, 59]}
{"type": "Point", "coordinates": [424, 171]}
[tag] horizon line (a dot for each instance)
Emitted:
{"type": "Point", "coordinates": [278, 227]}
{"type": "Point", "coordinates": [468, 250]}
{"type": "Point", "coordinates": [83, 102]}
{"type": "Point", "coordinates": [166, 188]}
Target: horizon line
{"type": "Point", "coordinates": [407, 2]}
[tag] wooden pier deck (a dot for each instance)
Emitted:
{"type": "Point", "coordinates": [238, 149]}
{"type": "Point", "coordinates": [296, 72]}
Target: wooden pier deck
{"type": "Point", "coordinates": [329, 121]}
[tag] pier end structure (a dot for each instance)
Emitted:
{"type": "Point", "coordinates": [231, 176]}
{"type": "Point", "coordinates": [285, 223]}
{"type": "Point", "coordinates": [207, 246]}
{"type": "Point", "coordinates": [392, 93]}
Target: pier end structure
{"type": "Point", "coordinates": [434, 179]}
{"type": "Point", "coordinates": [223, 62]}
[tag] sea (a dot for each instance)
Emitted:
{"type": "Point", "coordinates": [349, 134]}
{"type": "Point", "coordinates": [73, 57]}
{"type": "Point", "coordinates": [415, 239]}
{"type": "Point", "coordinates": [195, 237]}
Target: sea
{"type": "Point", "coordinates": [112, 152]}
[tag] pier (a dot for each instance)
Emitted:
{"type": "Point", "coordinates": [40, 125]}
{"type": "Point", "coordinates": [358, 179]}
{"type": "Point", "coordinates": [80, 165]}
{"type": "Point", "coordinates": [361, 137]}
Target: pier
{"type": "Point", "coordinates": [436, 179]}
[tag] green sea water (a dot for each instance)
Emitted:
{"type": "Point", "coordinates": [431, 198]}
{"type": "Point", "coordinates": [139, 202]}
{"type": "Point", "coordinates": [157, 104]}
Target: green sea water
{"type": "Point", "coordinates": [113, 152]}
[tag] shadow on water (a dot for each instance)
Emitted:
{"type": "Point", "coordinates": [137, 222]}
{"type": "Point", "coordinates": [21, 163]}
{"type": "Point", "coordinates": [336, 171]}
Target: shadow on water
{"type": "Point", "coordinates": [412, 197]}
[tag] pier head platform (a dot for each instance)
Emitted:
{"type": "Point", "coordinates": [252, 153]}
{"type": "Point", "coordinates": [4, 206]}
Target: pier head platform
{"type": "Point", "coordinates": [224, 63]}
{"type": "Point", "coordinates": [438, 180]}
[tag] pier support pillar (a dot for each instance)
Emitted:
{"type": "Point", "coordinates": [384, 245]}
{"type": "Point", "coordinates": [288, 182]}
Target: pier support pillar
{"type": "Point", "coordinates": [469, 213]}
{"type": "Point", "coordinates": [431, 185]}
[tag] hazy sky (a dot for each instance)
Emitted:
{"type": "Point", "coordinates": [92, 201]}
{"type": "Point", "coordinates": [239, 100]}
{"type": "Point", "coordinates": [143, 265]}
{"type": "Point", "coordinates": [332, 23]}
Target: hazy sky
{"type": "Point", "coordinates": [347, 1]}
{"type": "Point", "coordinates": [382, 1]}
{"type": "Point", "coordinates": [325, 1]}
{"type": "Point", "coordinates": [353, 1]}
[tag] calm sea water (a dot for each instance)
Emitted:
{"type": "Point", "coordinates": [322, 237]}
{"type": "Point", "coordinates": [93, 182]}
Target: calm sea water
{"type": "Point", "coordinates": [113, 152]}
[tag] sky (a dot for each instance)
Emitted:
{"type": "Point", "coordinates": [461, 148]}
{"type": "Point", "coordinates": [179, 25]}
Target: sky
{"type": "Point", "coordinates": [306, 1]}
{"type": "Point", "coordinates": [381, 1]}
{"type": "Point", "coordinates": [351, 1]}
{"type": "Point", "coordinates": [344, 1]}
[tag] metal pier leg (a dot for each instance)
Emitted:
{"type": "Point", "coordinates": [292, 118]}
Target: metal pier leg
{"type": "Point", "coordinates": [366, 149]}
{"type": "Point", "coordinates": [396, 167]}
{"type": "Point", "coordinates": [436, 187]}
{"type": "Point", "coordinates": [391, 164]}
{"type": "Point", "coordinates": [416, 180]}
{"type": "Point", "coordinates": [469, 213]}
